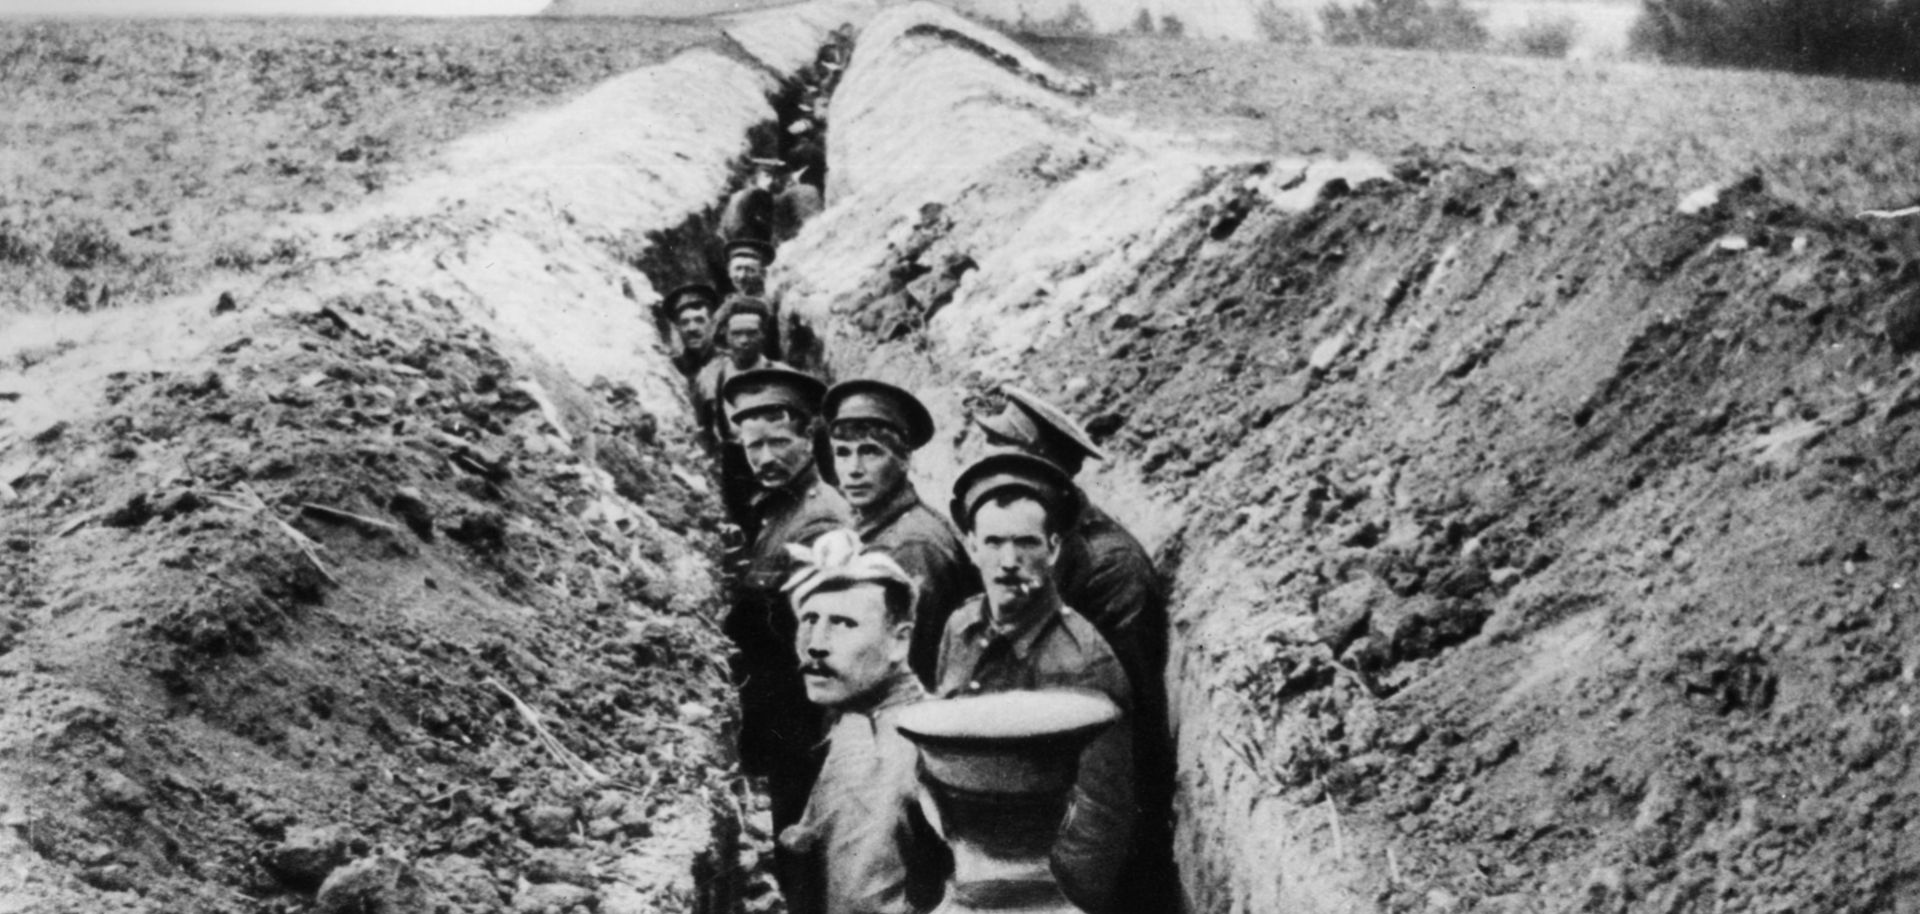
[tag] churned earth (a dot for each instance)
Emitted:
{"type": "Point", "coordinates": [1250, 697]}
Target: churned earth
{"type": "Point", "coordinates": [1539, 521]}
{"type": "Point", "coordinates": [1539, 542]}
{"type": "Point", "coordinates": [141, 157]}
{"type": "Point", "coordinates": [383, 579]}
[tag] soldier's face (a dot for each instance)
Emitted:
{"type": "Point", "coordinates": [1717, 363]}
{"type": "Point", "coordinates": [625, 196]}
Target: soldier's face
{"type": "Point", "coordinates": [1010, 545]}
{"type": "Point", "coordinates": [747, 274]}
{"type": "Point", "coordinates": [869, 474]}
{"type": "Point", "coordinates": [847, 649]}
{"type": "Point", "coordinates": [695, 324]}
{"type": "Point", "coordinates": [776, 451]}
{"type": "Point", "coordinates": [745, 339]}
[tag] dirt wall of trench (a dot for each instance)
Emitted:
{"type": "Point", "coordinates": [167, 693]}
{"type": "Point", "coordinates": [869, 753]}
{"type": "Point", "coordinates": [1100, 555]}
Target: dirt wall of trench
{"type": "Point", "coordinates": [1535, 548]}
{"type": "Point", "coordinates": [385, 581]}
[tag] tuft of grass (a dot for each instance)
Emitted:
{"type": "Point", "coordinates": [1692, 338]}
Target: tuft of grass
{"type": "Point", "coordinates": [84, 243]}
{"type": "Point", "coordinates": [17, 246]}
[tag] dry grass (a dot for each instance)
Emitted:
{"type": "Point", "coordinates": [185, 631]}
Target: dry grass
{"type": "Point", "coordinates": [136, 157]}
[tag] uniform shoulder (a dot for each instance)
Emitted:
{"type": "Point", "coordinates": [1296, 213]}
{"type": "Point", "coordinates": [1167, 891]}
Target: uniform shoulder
{"type": "Point", "coordinates": [1106, 537]}
{"type": "Point", "coordinates": [1085, 634]}
{"type": "Point", "coordinates": [1091, 658]}
{"type": "Point", "coordinates": [964, 615]}
{"type": "Point", "coordinates": [924, 523]}
{"type": "Point", "coordinates": [826, 501]}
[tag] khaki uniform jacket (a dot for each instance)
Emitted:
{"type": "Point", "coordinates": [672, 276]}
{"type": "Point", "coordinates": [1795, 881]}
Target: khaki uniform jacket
{"type": "Point", "coordinates": [862, 838]}
{"type": "Point", "coordinates": [1056, 648]}
{"type": "Point", "coordinates": [777, 723]}
{"type": "Point", "coordinates": [1105, 573]}
{"type": "Point", "coordinates": [927, 547]}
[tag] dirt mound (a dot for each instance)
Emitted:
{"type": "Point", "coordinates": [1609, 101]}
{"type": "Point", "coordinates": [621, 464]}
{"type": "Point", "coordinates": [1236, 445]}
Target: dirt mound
{"type": "Point", "coordinates": [1538, 547]}
{"type": "Point", "coordinates": [387, 582]}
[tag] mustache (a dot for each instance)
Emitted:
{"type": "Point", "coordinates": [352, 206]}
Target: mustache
{"type": "Point", "coordinates": [818, 668]}
{"type": "Point", "coordinates": [1017, 583]}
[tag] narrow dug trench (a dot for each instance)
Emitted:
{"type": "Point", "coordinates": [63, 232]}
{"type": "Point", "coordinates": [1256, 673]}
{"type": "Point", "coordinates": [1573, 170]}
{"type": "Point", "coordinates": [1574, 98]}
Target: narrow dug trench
{"type": "Point", "coordinates": [389, 581]}
{"type": "Point", "coordinates": [1534, 548]}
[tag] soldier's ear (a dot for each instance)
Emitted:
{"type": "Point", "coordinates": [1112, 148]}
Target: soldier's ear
{"type": "Point", "coordinates": [899, 641]}
{"type": "Point", "coordinates": [1053, 548]}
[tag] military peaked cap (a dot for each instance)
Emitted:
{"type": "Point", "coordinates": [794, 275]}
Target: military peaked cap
{"type": "Point", "coordinates": [1007, 742]}
{"type": "Point", "coordinates": [690, 294]}
{"type": "Point", "coordinates": [1042, 428]}
{"type": "Point", "coordinates": [878, 401]}
{"type": "Point", "coordinates": [762, 389]}
{"type": "Point", "coordinates": [751, 247]}
{"type": "Point", "coordinates": [1044, 482]}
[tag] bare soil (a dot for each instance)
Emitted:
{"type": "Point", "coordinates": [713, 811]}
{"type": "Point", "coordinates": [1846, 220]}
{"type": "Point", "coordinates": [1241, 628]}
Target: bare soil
{"type": "Point", "coordinates": [295, 587]}
{"type": "Point", "coordinates": [1831, 146]}
{"type": "Point", "coordinates": [1537, 546]}
{"type": "Point", "coordinates": [138, 157]}
{"type": "Point", "coordinates": [326, 581]}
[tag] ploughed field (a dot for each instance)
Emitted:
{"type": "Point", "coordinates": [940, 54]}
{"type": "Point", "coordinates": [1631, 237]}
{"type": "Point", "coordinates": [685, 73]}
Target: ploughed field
{"type": "Point", "coordinates": [137, 157]}
{"type": "Point", "coordinates": [1829, 145]}
{"type": "Point", "coordinates": [1469, 432]}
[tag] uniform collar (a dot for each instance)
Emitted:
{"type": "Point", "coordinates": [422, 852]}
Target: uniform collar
{"type": "Point", "coordinates": [1027, 630]}
{"type": "Point", "coordinates": [795, 488]}
{"type": "Point", "coordinates": [906, 499]}
{"type": "Point", "coordinates": [902, 689]}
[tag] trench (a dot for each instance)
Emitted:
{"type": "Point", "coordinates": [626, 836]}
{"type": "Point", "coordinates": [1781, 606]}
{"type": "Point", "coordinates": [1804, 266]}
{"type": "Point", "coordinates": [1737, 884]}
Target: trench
{"type": "Point", "coordinates": [688, 251]}
{"type": "Point", "coordinates": [1505, 578]}
{"type": "Point", "coordinates": [1381, 426]}
{"type": "Point", "coordinates": [490, 448]}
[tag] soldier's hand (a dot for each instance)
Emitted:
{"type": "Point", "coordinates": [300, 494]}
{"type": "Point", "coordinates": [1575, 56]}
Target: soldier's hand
{"type": "Point", "coordinates": [733, 550]}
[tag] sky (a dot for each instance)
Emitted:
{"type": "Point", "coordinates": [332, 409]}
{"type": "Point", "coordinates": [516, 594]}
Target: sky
{"type": "Point", "coordinates": [270, 7]}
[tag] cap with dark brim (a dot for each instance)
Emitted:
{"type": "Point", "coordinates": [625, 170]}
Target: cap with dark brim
{"type": "Point", "coordinates": [1007, 742]}
{"type": "Point", "coordinates": [683, 296]}
{"type": "Point", "coordinates": [1040, 425]}
{"type": "Point", "coordinates": [753, 246]}
{"type": "Point", "coordinates": [1039, 478]}
{"type": "Point", "coordinates": [762, 389]}
{"type": "Point", "coordinates": [878, 401]}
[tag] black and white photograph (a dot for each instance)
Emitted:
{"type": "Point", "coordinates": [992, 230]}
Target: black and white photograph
{"type": "Point", "coordinates": [959, 456]}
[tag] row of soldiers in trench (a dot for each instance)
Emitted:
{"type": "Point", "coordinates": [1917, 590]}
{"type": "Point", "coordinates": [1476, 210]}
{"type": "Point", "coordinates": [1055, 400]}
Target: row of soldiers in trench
{"type": "Point", "coordinates": [852, 598]}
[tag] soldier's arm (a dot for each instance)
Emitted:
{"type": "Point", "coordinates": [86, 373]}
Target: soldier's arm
{"type": "Point", "coordinates": [1098, 831]}
{"type": "Point", "coordinates": [1124, 589]}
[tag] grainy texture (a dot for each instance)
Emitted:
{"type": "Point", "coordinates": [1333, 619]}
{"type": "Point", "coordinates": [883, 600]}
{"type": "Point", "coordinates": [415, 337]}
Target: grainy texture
{"type": "Point", "coordinates": [137, 157]}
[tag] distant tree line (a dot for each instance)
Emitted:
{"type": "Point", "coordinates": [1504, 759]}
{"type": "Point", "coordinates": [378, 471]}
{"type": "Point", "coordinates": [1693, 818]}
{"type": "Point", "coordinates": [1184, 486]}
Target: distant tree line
{"type": "Point", "coordinates": [1869, 38]}
{"type": "Point", "coordinates": [1445, 25]}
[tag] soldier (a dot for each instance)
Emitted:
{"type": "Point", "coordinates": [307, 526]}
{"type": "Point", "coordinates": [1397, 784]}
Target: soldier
{"type": "Point", "coordinates": [746, 274]}
{"type": "Point", "coordinates": [1018, 635]}
{"type": "Point", "coordinates": [747, 262]}
{"type": "Point", "coordinates": [996, 772]}
{"type": "Point", "coordinates": [1105, 573]}
{"type": "Point", "coordinates": [745, 328]}
{"type": "Point", "coordinates": [860, 842]}
{"type": "Point", "coordinates": [691, 307]}
{"type": "Point", "coordinates": [775, 410]}
{"type": "Point", "coordinates": [874, 429]}
{"type": "Point", "coordinates": [774, 204]}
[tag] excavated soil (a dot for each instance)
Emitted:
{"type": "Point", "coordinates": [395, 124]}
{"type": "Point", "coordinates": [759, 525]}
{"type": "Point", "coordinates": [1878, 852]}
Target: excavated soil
{"type": "Point", "coordinates": [385, 580]}
{"type": "Point", "coordinates": [1537, 545]}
